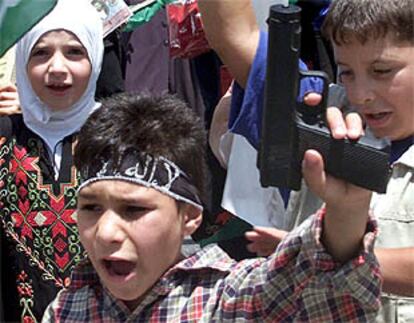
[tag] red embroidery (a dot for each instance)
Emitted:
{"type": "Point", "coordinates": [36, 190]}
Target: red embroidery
{"type": "Point", "coordinates": [21, 164]}
{"type": "Point", "coordinates": [39, 218]}
{"type": "Point", "coordinates": [28, 319]}
{"type": "Point", "coordinates": [62, 261]}
{"type": "Point", "coordinates": [37, 215]}
{"type": "Point", "coordinates": [24, 287]}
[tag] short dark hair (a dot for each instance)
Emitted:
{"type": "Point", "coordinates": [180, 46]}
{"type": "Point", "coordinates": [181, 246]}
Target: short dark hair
{"type": "Point", "coordinates": [369, 19]}
{"type": "Point", "coordinates": [160, 125]}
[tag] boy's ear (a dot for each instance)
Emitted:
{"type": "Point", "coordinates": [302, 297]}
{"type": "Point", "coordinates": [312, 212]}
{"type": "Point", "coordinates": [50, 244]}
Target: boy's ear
{"type": "Point", "coordinates": [192, 218]}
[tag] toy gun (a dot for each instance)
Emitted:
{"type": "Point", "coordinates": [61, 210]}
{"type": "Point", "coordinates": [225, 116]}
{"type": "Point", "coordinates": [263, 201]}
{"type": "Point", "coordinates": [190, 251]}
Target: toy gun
{"type": "Point", "coordinates": [289, 127]}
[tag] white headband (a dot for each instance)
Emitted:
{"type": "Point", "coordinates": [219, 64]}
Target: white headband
{"type": "Point", "coordinates": [143, 169]}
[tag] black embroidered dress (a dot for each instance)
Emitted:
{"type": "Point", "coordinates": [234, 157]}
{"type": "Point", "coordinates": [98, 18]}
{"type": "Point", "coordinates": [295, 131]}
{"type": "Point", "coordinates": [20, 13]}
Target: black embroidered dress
{"type": "Point", "coordinates": [39, 238]}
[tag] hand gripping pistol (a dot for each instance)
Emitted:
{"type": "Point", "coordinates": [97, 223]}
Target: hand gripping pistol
{"type": "Point", "coordinates": [289, 127]}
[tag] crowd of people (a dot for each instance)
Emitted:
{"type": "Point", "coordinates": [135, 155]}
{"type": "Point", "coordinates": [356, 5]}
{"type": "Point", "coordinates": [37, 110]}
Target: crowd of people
{"type": "Point", "coordinates": [105, 184]}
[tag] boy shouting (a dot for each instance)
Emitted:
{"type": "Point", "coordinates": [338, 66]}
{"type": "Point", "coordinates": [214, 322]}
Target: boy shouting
{"type": "Point", "coordinates": [142, 165]}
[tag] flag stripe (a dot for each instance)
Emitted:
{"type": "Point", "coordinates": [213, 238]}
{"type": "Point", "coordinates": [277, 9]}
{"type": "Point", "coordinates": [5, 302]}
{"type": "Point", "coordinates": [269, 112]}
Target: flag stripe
{"type": "Point", "coordinates": [19, 16]}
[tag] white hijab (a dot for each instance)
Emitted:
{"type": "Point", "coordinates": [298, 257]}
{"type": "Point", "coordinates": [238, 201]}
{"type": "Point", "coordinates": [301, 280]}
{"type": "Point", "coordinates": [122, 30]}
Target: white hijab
{"type": "Point", "coordinates": [80, 18]}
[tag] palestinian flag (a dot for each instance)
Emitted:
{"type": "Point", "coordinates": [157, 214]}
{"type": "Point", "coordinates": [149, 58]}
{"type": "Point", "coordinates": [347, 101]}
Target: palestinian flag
{"type": "Point", "coordinates": [18, 16]}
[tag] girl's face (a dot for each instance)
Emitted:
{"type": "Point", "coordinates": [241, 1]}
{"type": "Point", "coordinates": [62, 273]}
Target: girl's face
{"type": "Point", "coordinates": [59, 69]}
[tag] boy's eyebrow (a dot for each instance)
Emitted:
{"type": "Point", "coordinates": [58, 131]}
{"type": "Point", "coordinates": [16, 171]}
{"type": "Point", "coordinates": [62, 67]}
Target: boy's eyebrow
{"type": "Point", "coordinates": [87, 196]}
{"type": "Point", "coordinates": [134, 198]}
{"type": "Point", "coordinates": [128, 198]}
{"type": "Point", "coordinates": [338, 62]}
{"type": "Point", "coordinates": [384, 60]}
{"type": "Point", "coordinates": [380, 59]}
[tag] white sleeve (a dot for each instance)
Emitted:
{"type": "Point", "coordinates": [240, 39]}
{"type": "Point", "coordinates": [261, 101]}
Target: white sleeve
{"type": "Point", "coordinates": [243, 195]}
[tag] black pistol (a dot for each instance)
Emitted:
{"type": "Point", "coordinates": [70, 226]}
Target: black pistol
{"type": "Point", "coordinates": [289, 127]}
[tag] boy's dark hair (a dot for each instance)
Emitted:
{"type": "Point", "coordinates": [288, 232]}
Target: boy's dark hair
{"type": "Point", "coordinates": [369, 19]}
{"type": "Point", "coordinates": [158, 125]}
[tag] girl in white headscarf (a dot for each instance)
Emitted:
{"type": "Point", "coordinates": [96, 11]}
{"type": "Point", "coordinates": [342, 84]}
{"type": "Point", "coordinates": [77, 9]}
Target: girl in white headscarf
{"type": "Point", "coordinates": [57, 66]}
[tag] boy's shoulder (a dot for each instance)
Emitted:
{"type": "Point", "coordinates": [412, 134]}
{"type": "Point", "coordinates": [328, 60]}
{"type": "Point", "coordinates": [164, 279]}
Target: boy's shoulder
{"type": "Point", "coordinates": [209, 257]}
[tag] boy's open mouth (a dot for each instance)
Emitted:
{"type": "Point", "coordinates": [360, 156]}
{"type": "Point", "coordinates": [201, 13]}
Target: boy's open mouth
{"type": "Point", "coordinates": [376, 118]}
{"type": "Point", "coordinates": [119, 267]}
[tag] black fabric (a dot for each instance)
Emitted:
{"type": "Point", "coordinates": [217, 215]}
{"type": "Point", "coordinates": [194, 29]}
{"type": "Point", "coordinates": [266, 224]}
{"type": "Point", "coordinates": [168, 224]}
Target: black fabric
{"type": "Point", "coordinates": [111, 78]}
{"type": "Point", "coordinates": [10, 304]}
{"type": "Point", "coordinates": [316, 51]}
{"type": "Point", "coordinates": [37, 257]}
{"type": "Point", "coordinates": [207, 67]}
{"type": "Point", "coordinates": [237, 248]}
{"type": "Point", "coordinates": [6, 126]}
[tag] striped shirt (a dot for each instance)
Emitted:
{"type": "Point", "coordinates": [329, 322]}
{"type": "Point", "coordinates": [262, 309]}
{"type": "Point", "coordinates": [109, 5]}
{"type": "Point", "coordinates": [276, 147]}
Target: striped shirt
{"type": "Point", "coordinates": [300, 282]}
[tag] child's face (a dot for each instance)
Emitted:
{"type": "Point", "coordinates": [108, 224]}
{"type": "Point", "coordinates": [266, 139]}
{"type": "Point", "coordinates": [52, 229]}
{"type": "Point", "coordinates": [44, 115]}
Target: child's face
{"type": "Point", "coordinates": [132, 235]}
{"type": "Point", "coordinates": [379, 80]}
{"type": "Point", "coordinates": [59, 69]}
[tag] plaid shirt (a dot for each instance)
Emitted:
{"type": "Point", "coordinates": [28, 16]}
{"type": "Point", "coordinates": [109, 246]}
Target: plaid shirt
{"type": "Point", "coordinates": [299, 283]}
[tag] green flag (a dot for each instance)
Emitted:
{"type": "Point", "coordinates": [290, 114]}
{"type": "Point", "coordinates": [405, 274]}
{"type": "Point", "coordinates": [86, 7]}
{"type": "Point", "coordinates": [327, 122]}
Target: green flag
{"type": "Point", "coordinates": [144, 11]}
{"type": "Point", "coordinates": [18, 16]}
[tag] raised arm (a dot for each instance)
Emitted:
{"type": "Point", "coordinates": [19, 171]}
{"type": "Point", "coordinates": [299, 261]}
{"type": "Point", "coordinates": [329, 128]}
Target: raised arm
{"type": "Point", "coordinates": [347, 209]}
{"type": "Point", "coordinates": [347, 206]}
{"type": "Point", "coordinates": [232, 31]}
